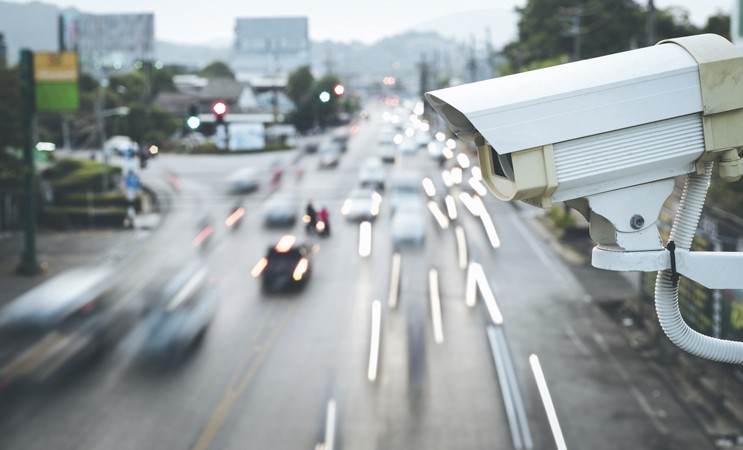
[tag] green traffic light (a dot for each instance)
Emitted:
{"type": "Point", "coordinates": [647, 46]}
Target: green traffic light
{"type": "Point", "coordinates": [193, 122]}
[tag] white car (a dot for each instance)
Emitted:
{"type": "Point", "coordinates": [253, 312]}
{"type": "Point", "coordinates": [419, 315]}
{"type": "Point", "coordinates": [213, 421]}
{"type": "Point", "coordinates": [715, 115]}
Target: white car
{"type": "Point", "coordinates": [405, 188]}
{"type": "Point", "coordinates": [280, 211]}
{"type": "Point", "coordinates": [409, 227]}
{"type": "Point", "coordinates": [387, 151]}
{"type": "Point", "coordinates": [362, 204]}
{"type": "Point", "coordinates": [243, 180]}
{"type": "Point", "coordinates": [372, 173]}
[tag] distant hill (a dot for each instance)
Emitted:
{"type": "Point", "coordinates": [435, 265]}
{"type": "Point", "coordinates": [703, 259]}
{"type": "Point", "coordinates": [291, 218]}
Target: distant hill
{"type": "Point", "coordinates": [194, 56]}
{"type": "Point", "coordinates": [34, 25]}
{"type": "Point", "coordinates": [498, 26]}
{"type": "Point", "coordinates": [28, 25]}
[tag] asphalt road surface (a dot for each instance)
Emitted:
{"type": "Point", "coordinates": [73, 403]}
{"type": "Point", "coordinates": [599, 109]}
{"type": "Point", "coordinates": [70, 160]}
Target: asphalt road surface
{"type": "Point", "coordinates": [342, 363]}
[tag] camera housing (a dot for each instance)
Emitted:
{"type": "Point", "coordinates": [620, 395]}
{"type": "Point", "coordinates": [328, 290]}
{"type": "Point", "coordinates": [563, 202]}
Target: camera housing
{"type": "Point", "coordinates": [607, 136]}
{"type": "Point", "coordinates": [598, 125]}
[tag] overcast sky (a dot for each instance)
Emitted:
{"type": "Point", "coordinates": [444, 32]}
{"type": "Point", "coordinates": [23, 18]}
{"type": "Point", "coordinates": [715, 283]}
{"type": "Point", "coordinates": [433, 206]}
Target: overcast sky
{"type": "Point", "coordinates": [190, 21]}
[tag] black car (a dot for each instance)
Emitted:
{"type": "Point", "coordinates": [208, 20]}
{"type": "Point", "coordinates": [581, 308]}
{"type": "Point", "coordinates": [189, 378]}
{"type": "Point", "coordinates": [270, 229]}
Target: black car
{"type": "Point", "coordinates": [286, 266]}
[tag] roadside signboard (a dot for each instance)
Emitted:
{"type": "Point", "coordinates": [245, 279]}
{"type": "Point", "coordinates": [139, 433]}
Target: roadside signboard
{"type": "Point", "coordinates": [56, 81]}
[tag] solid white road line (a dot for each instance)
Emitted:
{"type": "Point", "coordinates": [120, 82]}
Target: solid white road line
{"type": "Point", "coordinates": [461, 247]}
{"type": "Point", "coordinates": [549, 407]}
{"type": "Point", "coordinates": [376, 329]}
{"type": "Point", "coordinates": [433, 288]}
{"type": "Point", "coordinates": [394, 281]}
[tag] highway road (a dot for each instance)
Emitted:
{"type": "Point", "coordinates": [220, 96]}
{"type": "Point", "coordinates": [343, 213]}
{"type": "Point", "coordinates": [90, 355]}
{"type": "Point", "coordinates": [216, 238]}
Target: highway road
{"type": "Point", "coordinates": [452, 358]}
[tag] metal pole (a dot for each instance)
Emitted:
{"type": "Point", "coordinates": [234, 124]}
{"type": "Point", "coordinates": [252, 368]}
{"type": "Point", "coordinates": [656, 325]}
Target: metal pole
{"type": "Point", "coordinates": [102, 130]}
{"type": "Point", "coordinates": [29, 264]}
{"type": "Point", "coordinates": [651, 24]}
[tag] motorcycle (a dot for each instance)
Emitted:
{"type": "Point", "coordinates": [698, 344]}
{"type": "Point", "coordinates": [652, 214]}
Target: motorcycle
{"type": "Point", "coordinates": [319, 227]}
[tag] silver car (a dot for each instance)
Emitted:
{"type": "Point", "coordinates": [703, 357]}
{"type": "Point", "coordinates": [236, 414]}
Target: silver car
{"type": "Point", "coordinates": [59, 325]}
{"type": "Point", "coordinates": [409, 227]}
{"type": "Point", "coordinates": [243, 180]}
{"type": "Point", "coordinates": [280, 211]}
{"type": "Point", "coordinates": [362, 204]}
{"type": "Point", "coordinates": [179, 313]}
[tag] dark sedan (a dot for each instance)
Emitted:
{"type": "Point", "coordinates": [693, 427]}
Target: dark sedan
{"type": "Point", "coordinates": [286, 266]}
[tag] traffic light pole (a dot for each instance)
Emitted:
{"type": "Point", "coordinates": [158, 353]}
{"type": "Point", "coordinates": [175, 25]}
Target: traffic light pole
{"type": "Point", "coordinates": [29, 264]}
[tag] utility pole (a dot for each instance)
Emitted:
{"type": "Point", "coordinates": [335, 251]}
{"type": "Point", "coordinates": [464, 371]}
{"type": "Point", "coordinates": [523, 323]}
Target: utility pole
{"type": "Point", "coordinates": [423, 81]}
{"type": "Point", "coordinates": [573, 17]}
{"type": "Point", "coordinates": [29, 264]}
{"type": "Point", "coordinates": [651, 24]}
{"type": "Point", "coordinates": [99, 104]}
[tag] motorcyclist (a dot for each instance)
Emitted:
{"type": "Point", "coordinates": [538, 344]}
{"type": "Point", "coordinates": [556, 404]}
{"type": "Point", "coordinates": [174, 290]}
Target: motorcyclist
{"type": "Point", "coordinates": [323, 216]}
{"type": "Point", "coordinates": [311, 216]}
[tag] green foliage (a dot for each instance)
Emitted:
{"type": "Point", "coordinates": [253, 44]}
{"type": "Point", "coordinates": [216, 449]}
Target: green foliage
{"type": "Point", "coordinates": [12, 170]}
{"type": "Point", "coordinates": [547, 30]}
{"type": "Point", "coordinates": [562, 217]}
{"type": "Point", "coordinates": [113, 199]}
{"type": "Point", "coordinates": [299, 85]}
{"type": "Point", "coordinates": [304, 91]}
{"type": "Point", "coordinates": [718, 24]}
{"type": "Point", "coordinates": [217, 69]}
{"type": "Point", "coordinates": [144, 124]}
{"type": "Point", "coordinates": [726, 196]}
{"type": "Point", "coordinates": [78, 175]}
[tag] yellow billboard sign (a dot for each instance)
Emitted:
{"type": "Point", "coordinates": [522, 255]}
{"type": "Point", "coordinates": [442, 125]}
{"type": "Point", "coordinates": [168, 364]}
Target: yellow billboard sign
{"type": "Point", "coordinates": [49, 66]}
{"type": "Point", "coordinates": [56, 76]}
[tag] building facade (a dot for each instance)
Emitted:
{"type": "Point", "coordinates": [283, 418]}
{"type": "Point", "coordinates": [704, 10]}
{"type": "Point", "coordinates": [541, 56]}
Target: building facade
{"type": "Point", "coordinates": [270, 46]}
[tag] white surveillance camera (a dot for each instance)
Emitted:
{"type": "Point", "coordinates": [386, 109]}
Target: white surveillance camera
{"type": "Point", "coordinates": [571, 132]}
{"type": "Point", "coordinates": [607, 136]}
{"type": "Point", "coordinates": [597, 125]}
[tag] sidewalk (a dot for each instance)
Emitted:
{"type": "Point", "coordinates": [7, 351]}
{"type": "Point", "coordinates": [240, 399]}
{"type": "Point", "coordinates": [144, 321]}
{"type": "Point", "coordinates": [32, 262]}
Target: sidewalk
{"type": "Point", "coordinates": [711, 392]}
{"type": "Point", "coordinates": [58, 251]}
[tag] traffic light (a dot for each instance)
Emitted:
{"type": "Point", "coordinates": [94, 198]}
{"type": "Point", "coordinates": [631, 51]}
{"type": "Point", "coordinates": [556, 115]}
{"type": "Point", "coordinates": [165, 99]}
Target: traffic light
{"type": "Point", "coordinates": [219, 109]}
{"type": "Point", "coordinates": [192, 121]}
{"type": "Point", "coordinates": [339, 89]}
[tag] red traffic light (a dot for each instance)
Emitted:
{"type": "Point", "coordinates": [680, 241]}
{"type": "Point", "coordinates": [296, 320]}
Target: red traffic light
{"type": "Point", "coordinates": [339, 89]}
{"type": "Point", "coordinates": [219, 108]}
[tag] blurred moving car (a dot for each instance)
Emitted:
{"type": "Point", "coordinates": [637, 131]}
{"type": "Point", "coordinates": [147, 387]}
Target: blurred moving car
{"type": "Point", "coordinates": [405, 187]}
{"type": "Point", "coordinates": [60, 324]}
{"type": "Point", "coordinates": [372, 173]}
{"type": "Point", "coordinates": [387, 151]}
{"type": "Point", "coordinates": [243, 180]}
{"type": "Point", "coordinates": [178, 314]}
{"type": "Point", "coordinates": [281, 210]}
{"type": "Point", "coordinates": [119, 144]}
{"type": "Point", "coordinates": [362, 204]}
{"type": "Point", "coordinates": [408, 147]}
{"type": "Point", "coordinates": [435, 149]}
{"type": "Point", "coordinates": [409, 227]}
{"type": "Point", "coordinates": [341, 137]}
{"type": "Point", "coordinates": [285, 266]}
{"type": "Point", "coordinates": [329, 155]}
